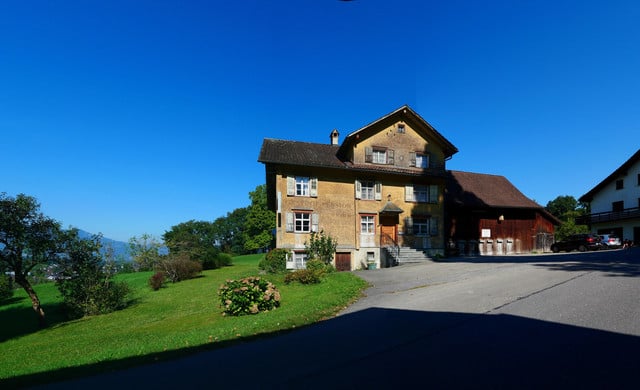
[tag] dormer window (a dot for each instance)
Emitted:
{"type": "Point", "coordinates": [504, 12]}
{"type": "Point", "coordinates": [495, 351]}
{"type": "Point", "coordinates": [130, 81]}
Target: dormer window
{"type": "Point", "coordinates": [378, 155]}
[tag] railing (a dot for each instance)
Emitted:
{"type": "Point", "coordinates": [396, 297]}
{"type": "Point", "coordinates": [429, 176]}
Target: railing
{"type": "Point", "coordinates": [391, 246]}
{"type": "Point", "coordinates": [608, 216]}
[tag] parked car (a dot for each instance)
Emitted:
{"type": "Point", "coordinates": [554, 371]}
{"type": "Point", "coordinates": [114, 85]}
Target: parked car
{"type": "Point", "coordinates": [580, 242]}
{"type": "Point", "coordinates": [611, 241]}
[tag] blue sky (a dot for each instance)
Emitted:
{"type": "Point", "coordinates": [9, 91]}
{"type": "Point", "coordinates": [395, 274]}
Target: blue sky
{"type": "Point", "coordinates": [128, 117]}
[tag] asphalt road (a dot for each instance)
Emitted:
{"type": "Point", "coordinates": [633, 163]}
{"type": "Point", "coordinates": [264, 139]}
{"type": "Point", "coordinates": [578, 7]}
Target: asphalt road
{"type": "Point", "coordinates": [549, 321]}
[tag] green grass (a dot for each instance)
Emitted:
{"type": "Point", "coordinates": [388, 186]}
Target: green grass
{"type": "Point", "coordinates": [182, 318]}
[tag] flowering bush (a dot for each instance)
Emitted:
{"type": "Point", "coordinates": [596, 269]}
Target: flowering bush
{"type": "Point", "coordinates": [248, 296]}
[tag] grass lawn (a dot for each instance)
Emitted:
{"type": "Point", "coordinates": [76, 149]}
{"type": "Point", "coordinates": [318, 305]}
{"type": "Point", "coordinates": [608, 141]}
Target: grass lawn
{"type": "Point", "coordinates": [182, 318]}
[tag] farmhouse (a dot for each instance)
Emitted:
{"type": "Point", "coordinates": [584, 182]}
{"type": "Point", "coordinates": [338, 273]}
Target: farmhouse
{"type": "Point", "coordinates": [385, 194]}
{"type": "Point", "coordinates": [615, 202]}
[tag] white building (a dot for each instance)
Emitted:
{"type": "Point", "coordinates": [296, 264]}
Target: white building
{"type": "Point", "coordinates": [615, 202]}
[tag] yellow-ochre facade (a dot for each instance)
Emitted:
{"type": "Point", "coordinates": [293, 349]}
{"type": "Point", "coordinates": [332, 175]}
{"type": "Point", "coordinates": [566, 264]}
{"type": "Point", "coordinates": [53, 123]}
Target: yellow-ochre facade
{"type": "Point", "coordinates": [381, 189]}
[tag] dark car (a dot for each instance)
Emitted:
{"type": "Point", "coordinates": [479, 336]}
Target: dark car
{"type": "Point", "coordinates": [580, 242]}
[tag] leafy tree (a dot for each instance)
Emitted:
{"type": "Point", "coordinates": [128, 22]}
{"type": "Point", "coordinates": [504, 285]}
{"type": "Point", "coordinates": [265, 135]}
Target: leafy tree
{"type": "Point", "coordinates": [197, 239]}
{"type": "Point", "coordinates": [28, 239]}
{"type": "Point", "coordinates": [228, 231]}
{"type": "Point", "coordinates": [86, 279]}
{"type": "Point", "coordinates": [321, 246]}
{"type": "Point", "coordinates": [566, 208]}
{"type": "Point", "coordinates": [259, 222]}
{"type": "Point", "coordinates": [145, 251]}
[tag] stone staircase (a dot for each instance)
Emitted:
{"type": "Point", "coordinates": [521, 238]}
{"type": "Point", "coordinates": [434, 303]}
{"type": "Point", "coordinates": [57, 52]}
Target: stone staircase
{"type": "Point", "coordinates": [410, 255]}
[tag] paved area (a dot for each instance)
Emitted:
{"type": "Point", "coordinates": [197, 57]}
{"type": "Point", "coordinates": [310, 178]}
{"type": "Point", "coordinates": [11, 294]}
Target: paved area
{"type": "Point", "coordinates": [557, 321]}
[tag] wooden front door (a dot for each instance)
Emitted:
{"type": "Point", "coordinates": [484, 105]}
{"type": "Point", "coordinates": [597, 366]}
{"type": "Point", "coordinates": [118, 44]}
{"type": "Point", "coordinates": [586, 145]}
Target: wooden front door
{"type": "Point", "coordinates": [343, 261]}
{"type": "Point", "coordinates": [389, 227]}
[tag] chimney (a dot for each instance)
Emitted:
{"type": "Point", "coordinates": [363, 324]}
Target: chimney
{"type": "Point", "coordinates": [334, 137]}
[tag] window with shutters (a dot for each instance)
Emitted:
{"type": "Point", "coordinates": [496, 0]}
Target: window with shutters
{"type": "Point", "coordinates": [302, 221]}
{"type": "Point", "coordinates": [302, 186]}
{"type": "Point", "coordinates": [379, 155]}
{"type": "Point", "coordinates": [368, 190]}
{"type": "Point", "coordinates": [421, 226]}
{"type": "Point", "coordinates": [421, 193]}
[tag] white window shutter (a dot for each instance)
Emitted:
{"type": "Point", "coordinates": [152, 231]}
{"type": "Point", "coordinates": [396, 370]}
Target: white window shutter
{"type": "Point", "coordinates": [391, 157]}
{"type": "Point", "coordinates": [433, 194]}
{"type": "Point", "coordinates": [358, 189]}
{"type": "Point", "coordinates": [291, 186]}
{"type": "Point", "coordinates": [313, 187]}
{"type": "Point", "coordinates": [368, 154]}
{"type": "Point", "coordinates": [408, 193]}
{"type": "Point", "coordinates": [433, 226]}
{"type": "Point", "coordinates": [412, 157]}
{"type": "Point", "coordinates": [289, 226]}
{"type": "Point", "coordinates": [315, 219]}
{"type": "Point", "coordinates": [377, 189]}
{"type": "Point", "coordinates": [408, 225]}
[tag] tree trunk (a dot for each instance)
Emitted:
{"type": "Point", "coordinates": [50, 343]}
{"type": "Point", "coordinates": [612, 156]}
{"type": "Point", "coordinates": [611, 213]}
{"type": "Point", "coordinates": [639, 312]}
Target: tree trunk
{"type": "Point", "coordinates": [35, 301]}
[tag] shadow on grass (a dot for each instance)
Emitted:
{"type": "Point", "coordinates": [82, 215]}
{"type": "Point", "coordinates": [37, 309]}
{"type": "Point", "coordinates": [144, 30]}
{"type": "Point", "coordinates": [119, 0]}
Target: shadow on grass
{"type": "Point", "coordinates": [22, 320]}
{"type": "Point", "coordinates": [381, 348]}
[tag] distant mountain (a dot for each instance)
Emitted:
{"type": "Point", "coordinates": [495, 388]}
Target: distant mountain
{"type": "Point", "coordinates": [120, 248]}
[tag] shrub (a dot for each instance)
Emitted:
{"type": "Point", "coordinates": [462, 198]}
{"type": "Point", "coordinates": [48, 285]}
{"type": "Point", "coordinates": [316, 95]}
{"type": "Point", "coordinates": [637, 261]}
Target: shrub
{"type": "Point", "coordinates": [320, 266]}
{"type": "Point", "coordinates": [275, 262]}
{"type": "Point", "coordinates": [156, 281]}
{"type": "Point", "coordinates": [305, 276]}
{"type": "Point", "coordinates": [6, 287]}
{"type": "Point", "coordinates": [224, 260]}
{"type": "Point", "coordinates": [94, 299]}
{"type": "Point", "coordinates": [179, 267]}
{"type": "Point", "coordinates": [248, 296]}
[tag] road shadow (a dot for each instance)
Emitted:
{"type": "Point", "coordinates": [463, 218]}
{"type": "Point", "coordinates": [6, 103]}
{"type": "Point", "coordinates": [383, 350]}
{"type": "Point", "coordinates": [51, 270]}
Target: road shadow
{"type": "Point", "coordinates": [386, 348]}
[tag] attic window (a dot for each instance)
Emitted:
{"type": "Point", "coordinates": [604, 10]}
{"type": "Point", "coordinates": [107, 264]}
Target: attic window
{"type": "Point", "coordinates": [619, 184]}
{"type": "Point", "coordinates": [401, 128]}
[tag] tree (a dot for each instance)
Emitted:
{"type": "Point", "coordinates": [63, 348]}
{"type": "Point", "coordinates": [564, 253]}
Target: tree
{"type": "Point", "coordinates": [566, 208]}
{"type": "Point", "coordinates": [197, 239]}
{"type": "Point", "coordinates": [145, 251]}
{"type": "Point", "coordinates": [229, 230]}
{"type": "Point", "coordinates": [259, 222]}
{"type": "Point", "coordinates": [321, 246]}
{"type": "Point", "coordinates": [85, 279]}
{"type": "Point", "coordinates": [28, 239]}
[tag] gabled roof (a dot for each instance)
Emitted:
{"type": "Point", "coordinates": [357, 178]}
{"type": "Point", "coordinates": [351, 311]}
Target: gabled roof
{"type": "Point", "coordinates": [406, 114]}
{"type": "Point", "coordinates": [299, 153]}
{"type": "Point", "coordinates": [588, 197]}
{"type": "Point", "coordinates": [482, 190]}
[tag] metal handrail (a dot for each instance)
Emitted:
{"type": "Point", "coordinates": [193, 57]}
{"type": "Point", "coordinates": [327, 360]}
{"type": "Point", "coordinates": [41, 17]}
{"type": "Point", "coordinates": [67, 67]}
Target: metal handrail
{"type": "Point", "coordinates": [391, 246]}
{"type": "Point", "coordinates": [609, 216]}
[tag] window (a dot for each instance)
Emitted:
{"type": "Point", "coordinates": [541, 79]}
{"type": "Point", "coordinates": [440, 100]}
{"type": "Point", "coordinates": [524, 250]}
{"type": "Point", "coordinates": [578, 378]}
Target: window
{"type": "Point", "coordinates": [368, 190]}
{"type": "Point", "coordinates": [617, 206]}
{"type": "Point", "coordinates": [302, 222]}
{"type": "Point", "coordinates": [619, 184]}
{"type": "Point", "coordinates": [297, 260]}
{"type": "Point", "coordinates": [379, 155]}
{"type": "Point", "coordinates": [419, 160]}
{"type": "Point", "coordinates": [367, 224]}
{"type": "Point", "coordinates": [421, 193]}
{"type": "Point", "coordinates": [300, 260]}
{"type": "Point", "coordinates": [401, 128]}
{"type": "Point", "coordinates": [639, 179]}
{"type": "Point", "coordinates": [422, 160]}
{"type": "Point", "coordinates": [421, 226]}
{"type": "Point", "coordinates": [302, 186]}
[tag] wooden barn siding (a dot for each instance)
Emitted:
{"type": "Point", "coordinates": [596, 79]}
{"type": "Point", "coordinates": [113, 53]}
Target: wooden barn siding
{"type": "Point", "coordinates": [521, 226]}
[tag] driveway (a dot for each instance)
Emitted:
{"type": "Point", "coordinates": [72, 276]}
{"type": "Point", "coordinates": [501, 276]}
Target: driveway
{"type": "Point", "coordinates": [569, 321]}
